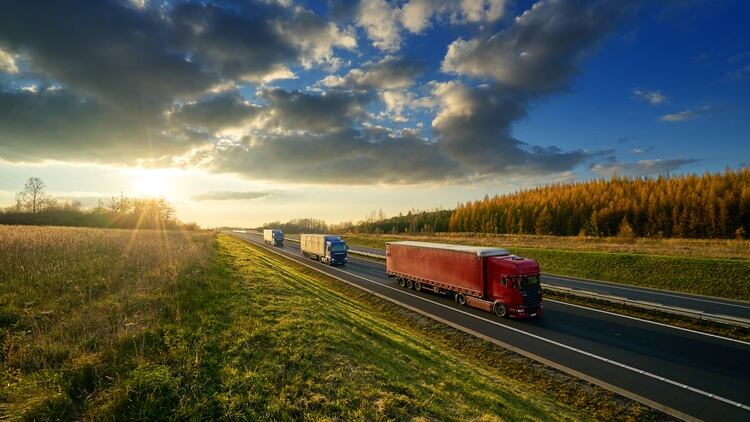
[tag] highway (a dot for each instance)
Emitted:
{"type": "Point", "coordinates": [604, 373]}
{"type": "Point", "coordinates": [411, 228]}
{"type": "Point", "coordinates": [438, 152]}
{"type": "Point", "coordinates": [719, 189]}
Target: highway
{"type": "Point", "coordinates": [684, 373]}
{"type": "Point", "coordinates": [707, 304]}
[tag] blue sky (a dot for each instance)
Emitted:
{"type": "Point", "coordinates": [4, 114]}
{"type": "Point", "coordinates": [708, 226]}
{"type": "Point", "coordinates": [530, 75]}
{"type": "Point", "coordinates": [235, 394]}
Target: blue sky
{"type": "Point", "coordinates": [246, 112]}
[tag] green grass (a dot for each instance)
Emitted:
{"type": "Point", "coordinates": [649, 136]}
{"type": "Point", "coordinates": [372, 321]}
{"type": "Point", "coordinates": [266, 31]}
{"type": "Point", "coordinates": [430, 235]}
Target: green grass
{"type": "Point", "coordinates": [729, 278]}
{"type": "Point", "coordinates": [117, 324]}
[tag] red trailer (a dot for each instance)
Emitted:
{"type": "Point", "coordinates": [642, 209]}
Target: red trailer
{"type": "Point", "coordinates": [486, 278]}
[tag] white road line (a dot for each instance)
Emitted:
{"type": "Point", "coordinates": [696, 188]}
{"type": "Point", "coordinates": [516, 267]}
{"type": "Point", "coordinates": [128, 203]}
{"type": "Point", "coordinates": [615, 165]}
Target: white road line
{"type": "Point", "coordinates": [648, 321]}
{"type": "Point", "coordinates": [558, 344]}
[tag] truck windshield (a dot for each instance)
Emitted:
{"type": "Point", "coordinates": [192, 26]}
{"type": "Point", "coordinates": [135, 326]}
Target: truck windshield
{"type": "Point", "coordinates": [528, 283]}
{"type": "Point", "coordinates": [338, 247]}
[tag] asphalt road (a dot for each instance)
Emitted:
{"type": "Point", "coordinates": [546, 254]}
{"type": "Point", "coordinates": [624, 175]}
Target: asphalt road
{"type": "Point", "coordinates": [685, 373]}
{"type": "Point", "coordinates": [707, 304]}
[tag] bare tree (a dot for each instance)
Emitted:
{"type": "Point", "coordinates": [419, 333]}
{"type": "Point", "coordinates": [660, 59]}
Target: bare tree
{"type": "Point", "coordinates": [32, 196]}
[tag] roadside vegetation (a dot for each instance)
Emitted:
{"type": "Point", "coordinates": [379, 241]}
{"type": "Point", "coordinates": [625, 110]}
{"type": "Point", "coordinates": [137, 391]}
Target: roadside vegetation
{"type": "Point", "coordinates": [123, 324]}
{"type": "Point", "coordinates": [685, 269]}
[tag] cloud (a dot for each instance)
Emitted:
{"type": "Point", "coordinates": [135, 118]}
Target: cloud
{"type": "Point", "coordinates": [57, 124]}
{"type": "Point", "coordinates": [216, 112]}
{"type": "Point", "coordinates": [309, 111]}
{"type": "Point", "coordinates": [380, 22]}
{"type": "Point", "coordinates": [741, 73]}
{"type": "Point", "coordinates": [651, 97]}
{"type": "Point", "coordinates": [473, 127]}
{"type": "Point", "coordinates": [389, 73]}
{"type": "Point", "coordinates": [7, 62]}
{"type": "Point", "coordinates": [119, 55]}
{"type": "Point", "coordinates": [246, 46]}
{"type": "Point", "coordinates": [689, 114]}
{"type": "Point", "coordinates": [639, 151]}
{"type": "Point", "coordinates": [541, 50]}
{"type": "Point", "coordinates": [366, 156]}
{"type": "Point", "coordinates": [642, 167]}
{"type": "Point", "coordinates": [316, 38]}
{"type": "Point", "coordinates": [416, 14]}
{"type": "Point", "coordinates": [229, 196]}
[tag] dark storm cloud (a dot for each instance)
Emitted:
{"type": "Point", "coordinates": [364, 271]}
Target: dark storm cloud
{"type": "Point", "coordinates": [105, 49]}
{"type": "Point", "coordinates": [229, 196]}
{"type": "Point", "coordinates": [537, 54]}
{"type": "Point", "coordinates": [388, 73]}
{"type": "Point", "coordinates": [215, 112]}
{"type": "Point", "coordinates": [240, 43]}
{"type": "Point", "coordinates": [54, 123]}
{"type": "Point", "coordinates": [541, 50]}
{"type": "Point", "coordinates": [371, 155]}
{"type": "Point", "coordinates": [473, 128]}
{"type": "Point", "coordinates": [313, 111]}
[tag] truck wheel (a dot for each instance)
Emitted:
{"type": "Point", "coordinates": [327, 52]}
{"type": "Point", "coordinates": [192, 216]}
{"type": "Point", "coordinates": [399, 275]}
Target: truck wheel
{"type": "Point", "coordinates": [461, 299]}
{"type": "Point", "coordinates": [409, 284]}
{"type": "Point", "coordinates": [500, 310]}
{"type": "Point", "coordinates": [417, 286]}
{"type": "Point", "coordinates": [402, 282]}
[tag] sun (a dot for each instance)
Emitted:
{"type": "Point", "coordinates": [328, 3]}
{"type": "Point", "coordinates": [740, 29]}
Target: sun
{"type": "Point", "coordinates": [150, 183]}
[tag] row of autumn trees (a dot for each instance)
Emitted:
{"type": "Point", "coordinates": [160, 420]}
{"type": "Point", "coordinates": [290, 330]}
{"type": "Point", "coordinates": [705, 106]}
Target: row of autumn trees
{"type": "Point", "coordinates": [692, 206]}
{"type": "Point", "coordinates": [712, 205]}
{"type": "Point", "coordinates": [35, 207]}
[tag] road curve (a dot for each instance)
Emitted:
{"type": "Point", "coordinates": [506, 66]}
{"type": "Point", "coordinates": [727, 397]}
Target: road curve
{"type": "Point", "coordinates": [687, 374]}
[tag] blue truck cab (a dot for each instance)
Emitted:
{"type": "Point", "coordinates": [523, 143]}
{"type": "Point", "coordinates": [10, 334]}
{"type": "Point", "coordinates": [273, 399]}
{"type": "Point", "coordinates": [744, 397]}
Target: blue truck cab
{"type": "Point", "coordinates": [336, 252]}
{"type": "Point", "coordinates": [326, 248]}
{"type": "Point", "coordinates": [273, 237]}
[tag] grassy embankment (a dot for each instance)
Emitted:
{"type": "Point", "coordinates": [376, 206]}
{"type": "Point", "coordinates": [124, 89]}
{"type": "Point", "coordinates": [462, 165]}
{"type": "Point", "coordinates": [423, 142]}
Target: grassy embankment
{"type": "Point", "coordinates": [707, 267]}
{"type": "Point", "coordinates": [100, 324]}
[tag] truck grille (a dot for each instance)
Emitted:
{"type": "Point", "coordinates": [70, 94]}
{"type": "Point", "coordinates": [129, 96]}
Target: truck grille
{"type": "Point", "coordinates": [532, 300]}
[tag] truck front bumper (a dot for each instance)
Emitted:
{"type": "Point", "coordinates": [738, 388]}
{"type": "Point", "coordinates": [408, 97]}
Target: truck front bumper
{"type": "Point", "coordinates": [524, 313]}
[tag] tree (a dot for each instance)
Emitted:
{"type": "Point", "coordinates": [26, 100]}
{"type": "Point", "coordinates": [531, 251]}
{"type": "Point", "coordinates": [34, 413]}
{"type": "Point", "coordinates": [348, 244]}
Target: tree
{"type": "Point", "coordinates": [625, 231]}
{"type": "Point", "coordinates": [31, 198]}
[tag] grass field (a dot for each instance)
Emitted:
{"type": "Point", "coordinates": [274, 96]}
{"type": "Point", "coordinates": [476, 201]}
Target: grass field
{"type": "Point", "coordinates": [641, 264]}
{"type": "Point", "coordinates": [114, 324]}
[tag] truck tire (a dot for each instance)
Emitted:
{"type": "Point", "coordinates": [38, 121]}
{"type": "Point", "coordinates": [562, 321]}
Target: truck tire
{"type": "Point", "coordinates": [500, 310]}
{"type": "Point", "coordinates": [402, 282]}
{"type": "Point", "coordinates": [417, 286]}
{"type": "Point", "coordinates": [409, 284]}
{"type": "Point", "coordinates": [461, 299]}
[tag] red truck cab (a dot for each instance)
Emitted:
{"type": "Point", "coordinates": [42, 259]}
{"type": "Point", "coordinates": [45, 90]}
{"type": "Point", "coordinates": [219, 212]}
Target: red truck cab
{"type": "Point", "coordinates": [514, 282]}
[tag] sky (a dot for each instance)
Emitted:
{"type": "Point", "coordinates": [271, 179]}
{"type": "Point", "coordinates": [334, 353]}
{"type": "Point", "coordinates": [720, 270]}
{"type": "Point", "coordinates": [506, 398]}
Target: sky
{"type": "Point", "coordinates": [243, 112]}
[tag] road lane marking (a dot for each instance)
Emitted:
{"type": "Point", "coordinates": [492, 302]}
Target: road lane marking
{"type": "Point", "coordinates": [648, 321]}
{"type": "Point", "coordinates": [537, 337]}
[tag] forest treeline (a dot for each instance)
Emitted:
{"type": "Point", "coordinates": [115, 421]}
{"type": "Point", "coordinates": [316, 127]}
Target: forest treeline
{"type": "Point", "coordinates": [35, 207]}
{"type": "Point", "coordinates": [712, 205]}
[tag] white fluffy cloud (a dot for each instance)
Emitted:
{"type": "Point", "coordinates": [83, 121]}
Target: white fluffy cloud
{"type": "Point", "coordinates": [651, 97]}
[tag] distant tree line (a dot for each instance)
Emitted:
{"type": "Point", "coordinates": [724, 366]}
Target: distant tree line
{"type": "Point", "coordinates": [414, 221]}
{"type": "Point", "coordinates": [712, 205]}
{"type": "Point", "coordinates": [298, 225]}
{"type": "Point", "coordinates": [35, 207]}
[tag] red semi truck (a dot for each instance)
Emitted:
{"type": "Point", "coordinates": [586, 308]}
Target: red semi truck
{"type": "Point", "coordinates": [486, 278]}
